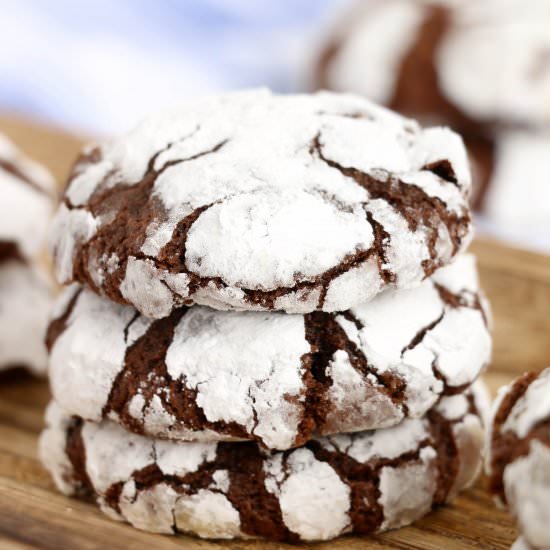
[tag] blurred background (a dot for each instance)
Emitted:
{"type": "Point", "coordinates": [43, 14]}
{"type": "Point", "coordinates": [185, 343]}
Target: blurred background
{"type": "Point", "coordinates": [95, 68]}
{"type": "Point", "coordinates": [99, 65]}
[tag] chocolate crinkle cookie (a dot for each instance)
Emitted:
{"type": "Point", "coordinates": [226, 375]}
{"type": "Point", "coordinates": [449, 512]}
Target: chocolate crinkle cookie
{"type": "Point", "coordinates": [518, 456]}
{"type": "Point", "coordinates": [25, 291]}
{"type": "Point", "coordinates": [276, 378]}
{"type": "Point", "coordinates": [271, 329]}
{"type": "Point", "coordinates": [471, 64]}
{"type": "Point", "coordinates": [362, 483]}
{"type": "Point", "coordinates": [252, 201]}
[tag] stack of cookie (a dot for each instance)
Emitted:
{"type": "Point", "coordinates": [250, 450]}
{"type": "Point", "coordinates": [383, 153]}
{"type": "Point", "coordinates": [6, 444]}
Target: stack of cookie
{"type": "Point", "coordinates": [25, 290]}
{"type": "Point", "coordinates": [272, 329]}
{"type": "Point", "coordinates": [482, 68]}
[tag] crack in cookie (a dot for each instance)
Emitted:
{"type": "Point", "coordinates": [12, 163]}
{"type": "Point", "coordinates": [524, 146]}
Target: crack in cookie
{"type": "Point", "coordinates": [274, 378]}
{"type": "Point", "coordinates": [160, 213]}
{"type": "Point", "coordinates": [262, 493]}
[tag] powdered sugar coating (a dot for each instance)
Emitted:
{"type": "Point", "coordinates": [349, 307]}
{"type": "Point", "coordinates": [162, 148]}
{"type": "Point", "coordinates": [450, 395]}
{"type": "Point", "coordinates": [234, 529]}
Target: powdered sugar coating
{"type": "Point", "coordinates": [52, 446]}
{"type": "Point", "coordinates": [89, 355]}
{"type": "Point", "coordinates": [404, 490]}
{"type": "Point", "coordinates": [527, 486]}
{"type": "Point", "coordinates": [518, 196]}
{"type": "Point", "coordinates": [304, 494]}
{"type": "Point", "coordinates": [490, 60]}
{"type": "Point", "coordinates": [27, 203]}
{"type": "Point", "coordinates": [381, 32]}
{"type": "Point", "coordinates": [531, 408]}
{"type": "Point", "coordinates": [25, 300]}
{"type": "Point", "coordinates": [255, 201]}
{"type": "Point", "coordinates": [25, 291]}
{"type": "Point", "coordinates": [494, 61]}
{"type": "Point", "coordinates": [518, 455]}
{"type": "Point", "coordinates": [255, 375]}
{"type": "Point", "coordinates": [239, 369]}
{"type": "Point", "coordinates": [314, 501]}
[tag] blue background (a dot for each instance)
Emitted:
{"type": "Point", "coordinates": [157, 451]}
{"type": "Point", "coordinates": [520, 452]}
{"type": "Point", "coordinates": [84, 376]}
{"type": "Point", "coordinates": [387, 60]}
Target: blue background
{"type": "Point", "coordinates": [98, 66]}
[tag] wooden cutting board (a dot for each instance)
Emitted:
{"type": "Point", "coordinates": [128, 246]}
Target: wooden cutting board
{"type": "Point", "coordinates": [34, 515]}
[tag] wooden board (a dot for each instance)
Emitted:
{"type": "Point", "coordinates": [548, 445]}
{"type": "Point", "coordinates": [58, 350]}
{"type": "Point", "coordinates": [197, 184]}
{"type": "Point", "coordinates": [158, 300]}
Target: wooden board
{"type": "Point", "coordinates": [34, 515]}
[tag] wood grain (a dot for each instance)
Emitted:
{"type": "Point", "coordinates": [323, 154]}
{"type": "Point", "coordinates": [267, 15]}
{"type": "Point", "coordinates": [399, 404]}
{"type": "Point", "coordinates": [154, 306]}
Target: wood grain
{"type": "Point", "coordinates": [518, 284]}
{"type": "Point", "coordinates": [34, 515]}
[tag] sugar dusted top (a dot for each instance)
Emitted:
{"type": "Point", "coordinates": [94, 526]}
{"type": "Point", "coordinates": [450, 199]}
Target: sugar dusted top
{"type": "Point", "coordinates": [257, 201]}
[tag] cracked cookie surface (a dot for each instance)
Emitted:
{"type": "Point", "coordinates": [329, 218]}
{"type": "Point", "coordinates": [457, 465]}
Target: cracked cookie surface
{"type": "Point", "coordinates": [363, 483]}
{"type": "Point", "coordinates": [272, 377]}
{"type": "Point", "coordinates": [252, 201]}
{"type": "Point", "coordinates": [26, 205]}
{"type": "Point", "coordinates": [518, 454]}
